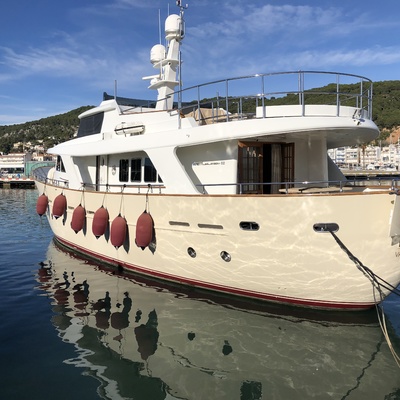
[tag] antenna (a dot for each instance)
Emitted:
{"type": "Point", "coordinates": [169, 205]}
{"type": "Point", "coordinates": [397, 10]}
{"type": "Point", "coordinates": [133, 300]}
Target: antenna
{"type": "Point", "coordinates": [182, 29]}
{"type": "Point", "coordinates": [159, 24]}
{"type": "Point", "coordinates": [181, 6]}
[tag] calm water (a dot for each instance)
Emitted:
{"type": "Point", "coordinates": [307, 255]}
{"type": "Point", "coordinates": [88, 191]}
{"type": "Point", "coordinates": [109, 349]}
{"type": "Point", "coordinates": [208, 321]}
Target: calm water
{"type": "Point", "coordinates": [72, 329]}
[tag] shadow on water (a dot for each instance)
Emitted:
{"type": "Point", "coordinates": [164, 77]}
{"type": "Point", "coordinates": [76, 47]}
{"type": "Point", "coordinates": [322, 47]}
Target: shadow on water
{"type": "Point", "coordinates": [147, 340]}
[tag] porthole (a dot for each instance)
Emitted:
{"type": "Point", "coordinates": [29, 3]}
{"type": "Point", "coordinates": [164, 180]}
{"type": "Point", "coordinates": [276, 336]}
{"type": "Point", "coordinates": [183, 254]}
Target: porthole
{"type": "Point", "coordinates": [192, 252]}
{"type": "Point", "coordinates": [210, 226]}
{"type": "Point", "coordinates": [225, 256]}
{"type": "Point", "coordinates": [325, 227]}
{"type": "Point", "coordinates": [178, 223]}
{"type": "Point", "coordinates": [249, 226]}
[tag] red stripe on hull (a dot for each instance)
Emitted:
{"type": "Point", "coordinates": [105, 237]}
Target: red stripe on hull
{"type": "Point", "coordinates": [317, 304]}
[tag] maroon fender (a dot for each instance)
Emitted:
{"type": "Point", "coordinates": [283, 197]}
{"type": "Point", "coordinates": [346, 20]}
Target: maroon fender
{"type": "Point", "coordinates": [59, 206]}
{"type": "Point", "coordinates": [100, 222]}
{"type": "Point", "coordinates": [41, 204]}
{"type": "Point", "coordinates": [118, 231]}
{"type": "Point", "coordinates": [78, 219]}
{"type": "Point", "coordinates": [144, 230]}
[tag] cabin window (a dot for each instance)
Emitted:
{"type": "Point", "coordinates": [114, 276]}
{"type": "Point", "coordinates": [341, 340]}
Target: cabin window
{"type": "Point", "coordinates": [90, 125]}
{"type": "Point", "coordinates": [123, 170]}
{"type": "Point", "coordinates": [136, 170]}
{"type": "Point", "coordinates": [60, 165]}
{"type": "Point", "coordinates": [150, 173]}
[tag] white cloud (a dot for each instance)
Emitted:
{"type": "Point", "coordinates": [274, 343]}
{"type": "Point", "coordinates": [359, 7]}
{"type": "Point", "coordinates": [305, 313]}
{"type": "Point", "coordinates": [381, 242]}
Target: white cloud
{"type": "Point", "coordinates": [67, 63]}
{"type": "Point", "coordinates": [91, 46]}
{"type": "Point", "coordinates": [256, 37]}
{"type": "Point", "coordinates": [358, 57]}
{"type": "Point", "coordinates": [57, 60]}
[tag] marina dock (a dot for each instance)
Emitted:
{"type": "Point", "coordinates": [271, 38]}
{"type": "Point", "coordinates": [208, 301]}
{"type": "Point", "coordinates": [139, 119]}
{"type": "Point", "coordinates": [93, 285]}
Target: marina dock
{"type": "Point", "coordinates": [17, 183]}
{"type": "Point", "coordinates": [370, 175]}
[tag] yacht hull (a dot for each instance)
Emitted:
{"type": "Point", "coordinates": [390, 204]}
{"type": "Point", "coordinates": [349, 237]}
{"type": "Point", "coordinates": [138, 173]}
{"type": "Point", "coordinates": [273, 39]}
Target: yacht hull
{"type": "Point", "coordinates": [262, 247]}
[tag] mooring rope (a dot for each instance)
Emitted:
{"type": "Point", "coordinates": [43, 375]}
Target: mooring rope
{"type": "Point", "coordinates": [377, 284]}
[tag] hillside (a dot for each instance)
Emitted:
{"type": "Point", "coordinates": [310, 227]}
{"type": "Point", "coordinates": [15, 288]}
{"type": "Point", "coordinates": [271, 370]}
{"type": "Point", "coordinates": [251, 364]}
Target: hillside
{"type": "Point", "coordinates": [58, 128]}
{"type": "Point", "coordinates": [50, 130]}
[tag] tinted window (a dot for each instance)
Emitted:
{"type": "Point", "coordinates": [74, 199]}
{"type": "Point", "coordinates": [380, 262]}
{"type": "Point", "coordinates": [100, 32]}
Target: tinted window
{"type": "Point", "coordinates": [60, 164]}
{"type": "Point", "coordinates": [90, 125]}
{"type": "Point", "coordinates": [136, 170]}
{"type": "Point", "coordinates": [150, 173]}
{"type": "Point", "coordinates": [123, 170]}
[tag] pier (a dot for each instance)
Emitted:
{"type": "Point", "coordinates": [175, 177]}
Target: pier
{"type": "Point", "coordinates": [16, 183]}
{"type": "Point", "coordinates": [370, 174]}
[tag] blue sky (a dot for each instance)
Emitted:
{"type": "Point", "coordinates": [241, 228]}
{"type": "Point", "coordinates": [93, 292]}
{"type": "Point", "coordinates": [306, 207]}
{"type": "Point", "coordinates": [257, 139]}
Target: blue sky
{"type": "Point", "coordinates": [59, 55]}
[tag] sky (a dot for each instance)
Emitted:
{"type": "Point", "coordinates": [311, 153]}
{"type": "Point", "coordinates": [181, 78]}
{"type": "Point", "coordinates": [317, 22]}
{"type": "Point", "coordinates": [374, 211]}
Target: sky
{"type": "Point", "coordinates": [56, 56]}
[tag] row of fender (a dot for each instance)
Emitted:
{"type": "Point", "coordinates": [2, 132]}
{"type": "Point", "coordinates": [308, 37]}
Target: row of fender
{"type": "Point", "coordinates": [118, 230]}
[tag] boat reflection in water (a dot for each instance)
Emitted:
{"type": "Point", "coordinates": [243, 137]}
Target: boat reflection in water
{"type": "Point", "coordinates": [144, 341]}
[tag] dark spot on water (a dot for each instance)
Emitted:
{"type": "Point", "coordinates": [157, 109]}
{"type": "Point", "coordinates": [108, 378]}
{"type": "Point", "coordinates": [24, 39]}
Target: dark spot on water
{"type": "Point", "coordinates": [227, 348]}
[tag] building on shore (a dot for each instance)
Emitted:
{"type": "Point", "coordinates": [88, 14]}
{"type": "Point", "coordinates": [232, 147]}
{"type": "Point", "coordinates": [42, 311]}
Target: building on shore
{"type": "Point", "coordinates": [14, 163]}
{"type": "Point", "coordinates": [367, 157]}
{"type": "Point", "coordinates": [18, 165]}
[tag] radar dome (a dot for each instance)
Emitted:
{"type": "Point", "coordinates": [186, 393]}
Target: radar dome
{"type": "Point", "coordinates": [157, 53]}
{"type": "Point", "coordinates": [173, 26]}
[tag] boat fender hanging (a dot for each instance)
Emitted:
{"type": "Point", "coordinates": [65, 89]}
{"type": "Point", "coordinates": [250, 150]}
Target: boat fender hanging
{"type": "Point", "coordinates": [59, 206]}
{"type": "Point", "coordinates": [100, 222]}
{"type": "Point", "coordinates": [78, 218]}
{"type": "Point", "coordinates": [118, 231]}
{"type": "Point", "coordinates": [41, 205]}
{"type": "Point", "coordinates": [144, 230]}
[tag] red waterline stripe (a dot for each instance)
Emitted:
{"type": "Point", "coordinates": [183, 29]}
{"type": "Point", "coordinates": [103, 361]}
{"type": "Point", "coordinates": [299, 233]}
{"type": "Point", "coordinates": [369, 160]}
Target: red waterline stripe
{"type": "Point", "coordinates": [218, 288]}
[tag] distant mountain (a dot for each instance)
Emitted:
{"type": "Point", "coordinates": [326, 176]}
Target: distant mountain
{"type": "Point", "coordinates": [56, 129]}
{"type": "Point", "coordinates": [50, 130]}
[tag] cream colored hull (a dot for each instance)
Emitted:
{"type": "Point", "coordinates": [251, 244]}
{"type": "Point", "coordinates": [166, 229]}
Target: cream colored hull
{"type": "Point", "coordinates": [284, 261]}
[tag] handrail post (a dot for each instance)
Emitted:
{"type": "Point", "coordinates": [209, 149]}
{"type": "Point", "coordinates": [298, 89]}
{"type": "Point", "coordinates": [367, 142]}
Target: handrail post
{"type": "Point", "coordinates": [198, 104]}
{"type": "Point", "coordinates": [337, 96]}
{"type": "Point", "coordinates": [226, 100]}
{"type": "Point", "coordinates": [301, 93]}
{"type": "Point", "coordinates": [262, 94]}
{"type": "Point", "coordinates": [370, 93]}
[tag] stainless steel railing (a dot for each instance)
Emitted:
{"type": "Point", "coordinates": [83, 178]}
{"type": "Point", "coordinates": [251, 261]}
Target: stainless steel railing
{"type": "Point", "coordinates": [242, 188]}
{"type": "Point", "coordinates": [238, 98]}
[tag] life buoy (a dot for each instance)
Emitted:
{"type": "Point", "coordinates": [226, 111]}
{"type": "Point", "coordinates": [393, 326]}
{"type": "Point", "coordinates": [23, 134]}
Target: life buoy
{"type": "Point", "coordinates": [118, 231]}
{"type": "Point", "coordinates": [41, 204]}
{"type": "Point", "coordinates": [78, 219]}
{"type": "Point", "coordinates": [100, 222]}
{"type": "Point", "coordinates": [59, 206]}
{"type": "Point", "coordinates": [144, 230]}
